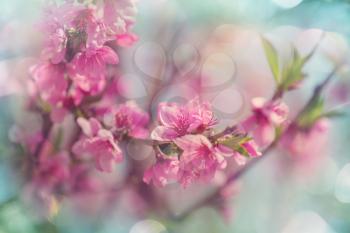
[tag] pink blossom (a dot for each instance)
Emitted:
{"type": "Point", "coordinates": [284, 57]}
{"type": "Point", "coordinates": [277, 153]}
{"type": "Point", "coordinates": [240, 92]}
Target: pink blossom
{"type": "Point", "coordinates": [82, 181]}
{"type": "Point", "coordinates": [88, 22]}
{"type": "Point", "coordinates": [126, 40]}
{"type": "Point", "coordinates": [132, 120]}
{"type": "Point", "coordinates": [119, 16]}
{"type": "Point", "coordinates": [303, 142]}
{"type": "Point", "coordinates": [162, 172]}
{"type": "Point", "coordinates": [228, 152]}
{"type": "Point", "coordinates": [92, 62]}
{"type": "Point", "coordinates": [177, 121]}
{"type": "Point", "coordinates": [97, 143]}
{"type": "Point", "coordinates": [200, 159]}
{"type": "Point", "coordinates": [51, 82]}
{"type": "Point", "coordinates": [77, 95]}
{"type": "Point", "coordinates": [88, 68]}
{"type": "Point", "coordinates": [266, 116]}
{"type": "Point", "coordinates": [64, 13]}
{"type": "Point", "coordinates": [56, 20]}
{"type": "Point", "coordinates": [49, 180]}
{"type": "Point", "coordinates": [52, 172]}
{"type": "Point", "coordinates": [252, 148]}
{"type": "Point", "coordinates": [55, 45]}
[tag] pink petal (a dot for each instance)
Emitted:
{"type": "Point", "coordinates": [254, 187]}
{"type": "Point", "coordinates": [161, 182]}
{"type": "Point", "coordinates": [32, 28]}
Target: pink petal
{"type": "Point", "coordinates": [250, 123]}
{"type": "Point", "coordinates": [264, 134]}
{"type": "Point", "coordinates": [251, 148]}
{"type": "Point", "coordinates": [240, 159]}
{"type": "Point", "coordinates": [168, 114]}
{"type": "Point", "coordinates": [162, 133]}
{"type": "Point", "coordinates": [224, 151]}
{"type": "Point", "coordinates": [139, 133]}
{"type": "Point", "coordinates": [192, 142]}
{"type": "Point", "coordinates": [90, 127]}
{"type": "Point", "coordinates": [126, 40]}
{"type": "Point", "coordinates": [105, 162]}
{"type": "Point", "coordinates": [258, 102]}
{"type": "Point", "coordinates": [108, 55]}
{"type": "Point", "coordinates": [278, 113]}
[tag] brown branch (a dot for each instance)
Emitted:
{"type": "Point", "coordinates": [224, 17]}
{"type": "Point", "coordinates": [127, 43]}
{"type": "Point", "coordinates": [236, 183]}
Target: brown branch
{"type": "Point", "coordinates": [46, 129]}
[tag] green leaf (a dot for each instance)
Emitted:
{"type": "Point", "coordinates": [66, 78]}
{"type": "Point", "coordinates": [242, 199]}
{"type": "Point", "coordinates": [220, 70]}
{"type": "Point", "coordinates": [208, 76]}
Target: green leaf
{"type": "Point", "coordinates": [235, 143]}
{"type": "Point", "coordinates": [169, 149]}
{"type": "Point", "coordinates": [312, 113]}
{"type": "Point", "coordinates": [233, 140]}
{"type": "Point", "coordinates": [292, 73]}
{"type": "Point", "coordinates": [272, 58]}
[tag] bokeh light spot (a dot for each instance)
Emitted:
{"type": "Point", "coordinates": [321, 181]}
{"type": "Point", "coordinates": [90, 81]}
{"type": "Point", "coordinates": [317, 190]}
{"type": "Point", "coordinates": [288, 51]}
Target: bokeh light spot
{"type": "Point", "coordinates": [150, 59]}
{"type": "Point", "coordinates": [148, 226]}
{"type": "Point", "coordinates": [287, 3]}
{"type": "Point", "coordinates": [307, 221]}
{"type": "Point", "coordinates": [185, 58]}
{"type": "Point", "coordinates": [342, 186]}
{"type": "Point", "coordinates": [217, 69]}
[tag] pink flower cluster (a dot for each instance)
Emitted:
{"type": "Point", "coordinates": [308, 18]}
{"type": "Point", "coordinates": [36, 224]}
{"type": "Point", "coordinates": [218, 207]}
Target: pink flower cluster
{"type": "Point", "coordinates": [100, 144]}
{"type": "Point", "coordinates": [79, 44]}
{"type": "Point", "coordinates": [198, 156]}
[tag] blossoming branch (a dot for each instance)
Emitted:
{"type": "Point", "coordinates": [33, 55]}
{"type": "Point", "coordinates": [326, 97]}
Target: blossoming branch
{"type": "Point", "coordinates": [74, 78]}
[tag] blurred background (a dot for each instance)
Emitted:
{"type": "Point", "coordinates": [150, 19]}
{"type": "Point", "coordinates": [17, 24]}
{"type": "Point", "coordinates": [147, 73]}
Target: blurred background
{"type": "Point", "coordinates": [221, 40]}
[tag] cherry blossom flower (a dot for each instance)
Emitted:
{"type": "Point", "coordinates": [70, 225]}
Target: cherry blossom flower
{"type": "Point", "coordinates": [301, 142]}
{"type": "Point", "coordinates": [177, 121]}
{"type": "Point", "coordinates": [131, 119]}
{"type": "Point", "coordinates": [55, 45]}
{"type": "Point", "coordinates": [82, 181]}
{"type": "Point", "coordinates": [240, 159]}
{"type": "Point", "coordinates": [266, 116]}
{"type": "Point", "coordinates": [57, 19]}
{"type": "Point", "coordinates": [119, 16]}
{"type": "Point", "coordinates": [52, 173]}
{"type": "Point", "coordinates": [162, 172]}
{"type": "Point", "coordinates": [88, 68]}
{"type": "Point", "coordinates": [89, 24]}
{"type": "Point", "coordinates": [199, 161]}
{"type": "Point", "coordinates": [99, 144]}
{"type": "Point", "coordinates": [51, 82]}
{"type": "Point", "coordinates": [49, 181]}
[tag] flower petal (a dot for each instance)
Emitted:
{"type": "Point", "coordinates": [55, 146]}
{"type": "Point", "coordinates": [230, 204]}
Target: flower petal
{"type": "Point", "coordinates": [163, 133]}
{"type": "Point", "coordinates": [168, 114]}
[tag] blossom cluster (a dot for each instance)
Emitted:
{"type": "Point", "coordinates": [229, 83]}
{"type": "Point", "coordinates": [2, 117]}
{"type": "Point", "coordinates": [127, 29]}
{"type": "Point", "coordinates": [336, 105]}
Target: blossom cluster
{"type": "Point", "coordinates": [194, 154]}
{"type": "Point", "coordinates": [79, 45]}
{"type": "Point", "coordinates": [74, 79]}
